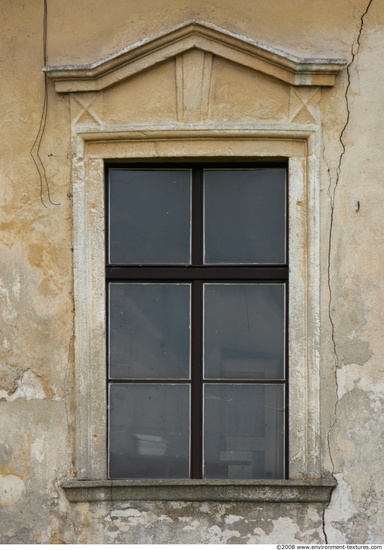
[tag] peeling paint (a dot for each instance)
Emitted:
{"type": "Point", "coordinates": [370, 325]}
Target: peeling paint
{"type": "Point", "coordinates": [29, 386]}
{"type": "Point", "coordinates": [331, 305]}
{"type": "Point", "coordinates": [5, 455]}
{"type": "Point", "coordinates": [354, 52]}
{"type": "Point", "coordinates": [232, 518]}
{"type": "Point", "coordinates": [9, 377]}
{"type": "Point", "coordinates": [193, 525]}
{"type": "Point", "coordinates": [125, 513]}
{"type": "Point", "coordinates": [358, 449]}
{"type": "Point", "coordinates": [8, 309]}
{"type": "Point", "coordinates": [12, 490]}
{"type": "Point", "coordinates": [37, 450]}
{"type": "Point", "coordinates": [218, 536]}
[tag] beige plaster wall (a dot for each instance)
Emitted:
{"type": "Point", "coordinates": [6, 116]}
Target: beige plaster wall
{"type": "Point", "coordinates": [36, 283]}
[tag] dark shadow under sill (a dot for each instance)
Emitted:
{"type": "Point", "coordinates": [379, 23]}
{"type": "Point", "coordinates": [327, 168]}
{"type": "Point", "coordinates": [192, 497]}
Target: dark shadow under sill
{"type": "Point", "coordinates": [303, 490]}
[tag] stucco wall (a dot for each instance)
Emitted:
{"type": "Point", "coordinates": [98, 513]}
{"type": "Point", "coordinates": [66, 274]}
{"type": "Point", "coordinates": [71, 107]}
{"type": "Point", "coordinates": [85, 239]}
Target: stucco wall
{"type": "Point", "coordinates": [37, 442]}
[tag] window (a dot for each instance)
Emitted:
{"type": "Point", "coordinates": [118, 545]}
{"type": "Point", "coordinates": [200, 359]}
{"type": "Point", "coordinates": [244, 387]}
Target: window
{"type": "Point", "coordinates": [194, 126]}
{"type": "Point", "coordinates": [197, 321]}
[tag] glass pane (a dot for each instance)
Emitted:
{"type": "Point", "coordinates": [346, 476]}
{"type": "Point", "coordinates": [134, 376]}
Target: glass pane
{"type": "Point", "coordinates": [244, 331]}
{"type": "Point", "coordinates": [149, 431]}
{"type": "Point", "coordinates": [244, 216]}
{"type": "Point", "coordinates": [149, 216]}
{"type": "Point", "coordinates": [149, 327]}
{"type": "Point", "coordinates": [243, 431]}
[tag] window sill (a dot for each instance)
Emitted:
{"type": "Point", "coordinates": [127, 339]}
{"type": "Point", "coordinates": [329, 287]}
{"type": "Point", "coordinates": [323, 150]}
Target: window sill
{"type": "Point", "coordinates": [313, 490]}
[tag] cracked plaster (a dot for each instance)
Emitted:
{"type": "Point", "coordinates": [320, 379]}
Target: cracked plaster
{"type": "Point", "coordinates": [354, 52]}
{"type": "Point", "coordinates": [347, 347]}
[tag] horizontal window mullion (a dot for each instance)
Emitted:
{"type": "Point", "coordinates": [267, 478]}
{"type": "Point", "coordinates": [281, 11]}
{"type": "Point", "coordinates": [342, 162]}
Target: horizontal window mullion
{"type": "Point", "coordinates": [207, 273]}
{"type": "Point", "coordinates": [271, 381]}
{"type": "Point", "coordinates": [149, 380]}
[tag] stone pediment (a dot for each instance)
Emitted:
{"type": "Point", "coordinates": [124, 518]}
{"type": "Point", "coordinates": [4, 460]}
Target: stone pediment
{"type": "Point", "coordinates": [194, 36]}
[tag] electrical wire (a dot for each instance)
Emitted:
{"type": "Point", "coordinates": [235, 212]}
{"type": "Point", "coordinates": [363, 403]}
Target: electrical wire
{"type": "Point", "coordinates": [35, 149]}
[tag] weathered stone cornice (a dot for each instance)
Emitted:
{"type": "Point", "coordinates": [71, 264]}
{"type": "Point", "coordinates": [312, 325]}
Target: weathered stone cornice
{"type": "Point", "coordinates": [200, 35]}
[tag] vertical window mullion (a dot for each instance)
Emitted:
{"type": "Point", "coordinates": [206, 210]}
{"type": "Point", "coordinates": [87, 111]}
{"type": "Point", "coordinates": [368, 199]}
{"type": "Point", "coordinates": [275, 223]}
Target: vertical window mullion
{"type": "Point", "coordinates": [197, 327]}
{"type": "Point", "coordinates": [196, 380]}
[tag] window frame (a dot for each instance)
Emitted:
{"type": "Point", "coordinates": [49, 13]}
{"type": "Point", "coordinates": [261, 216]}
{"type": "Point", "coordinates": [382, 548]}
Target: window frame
{"type": "Point", "coordinates": [197, 272]}
{"type": "Point", "coordinates": [91, 148]}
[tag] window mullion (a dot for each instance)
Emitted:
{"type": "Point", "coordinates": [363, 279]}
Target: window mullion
{"type": "Point", "coordinates": [197, 327]}
{"type": "Point", "coordinates": [197, 380]}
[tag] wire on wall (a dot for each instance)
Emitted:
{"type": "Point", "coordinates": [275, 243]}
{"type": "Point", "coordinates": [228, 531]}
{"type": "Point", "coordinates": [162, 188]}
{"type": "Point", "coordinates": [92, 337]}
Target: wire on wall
{"type": "Point", "coordinates": [35, 149]}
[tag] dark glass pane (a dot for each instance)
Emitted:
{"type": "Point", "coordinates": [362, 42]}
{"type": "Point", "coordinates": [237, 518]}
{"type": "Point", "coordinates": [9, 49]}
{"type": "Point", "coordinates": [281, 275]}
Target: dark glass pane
{"type": "Point", "coordinates": [149, 431]}
{"type": "Point", "coordinates": [244, 327]}
{"type": "Point", "coordinates": [243, 431]}
{"type": "Point", "coordinates": [149, 328]}
{"type": "Point", "coordinates": [244, 216]}
{"type": "Point", "coordinates": [149, 216]}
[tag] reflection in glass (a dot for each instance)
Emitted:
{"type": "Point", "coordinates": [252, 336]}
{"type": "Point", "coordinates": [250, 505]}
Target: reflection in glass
{"type": "Point", "coordinates": [244, 331]}
{"type": "Point", "coordinates": [149, 326]}
{"type": "Point", "coordinates": [149, 216]}
{"type": "Point", "coordinates": [149, 431]}
{"type": "Point", "coordinates": [243, 431]}
{"type": "Point", "coordinates": [244, 216]}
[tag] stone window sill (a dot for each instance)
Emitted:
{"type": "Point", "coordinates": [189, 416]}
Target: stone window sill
{"type": "Point", "coordinates": [311, 490]}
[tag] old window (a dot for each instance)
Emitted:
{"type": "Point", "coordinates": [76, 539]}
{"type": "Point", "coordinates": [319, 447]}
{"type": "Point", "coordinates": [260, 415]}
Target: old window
{"type": "Point", "coordinates": [305, 480]}
{"type": "Point", "coordinates": [111, 120]}
{"type": "Point", "coordinates": [197, 321]}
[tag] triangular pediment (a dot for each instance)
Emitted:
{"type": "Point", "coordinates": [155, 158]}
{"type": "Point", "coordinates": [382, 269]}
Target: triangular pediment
{"type": "Point", "coordinates": [201, 36]}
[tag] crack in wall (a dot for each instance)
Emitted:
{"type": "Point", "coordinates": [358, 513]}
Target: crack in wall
{"type": "Point", "coordinates": [323, 526]}
{"type": "Point", "coordinates": [354, 52]}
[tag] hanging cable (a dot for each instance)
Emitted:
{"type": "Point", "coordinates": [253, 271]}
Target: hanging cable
{"type": "Point", "coordinates": [35, 149]}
